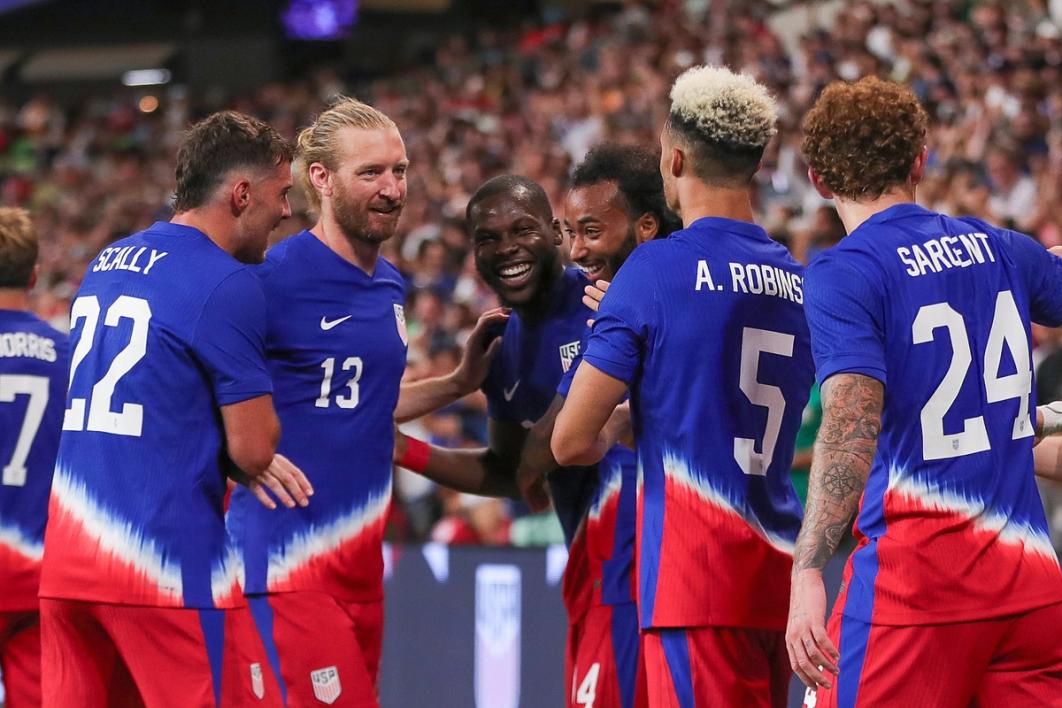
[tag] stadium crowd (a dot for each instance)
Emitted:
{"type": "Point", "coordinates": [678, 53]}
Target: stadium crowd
{"type": "Point", "coordinates": [532, 102]}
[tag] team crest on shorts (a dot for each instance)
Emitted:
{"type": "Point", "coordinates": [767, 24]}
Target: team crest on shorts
{"type": "Point", "coordinates": [568, 352]}
{"type": "Point", "coordinates": [400, 322]}
{"type": "Point", "coordinates": [325, 681]}
{"type": "Point", "coordinates": [257, 681]}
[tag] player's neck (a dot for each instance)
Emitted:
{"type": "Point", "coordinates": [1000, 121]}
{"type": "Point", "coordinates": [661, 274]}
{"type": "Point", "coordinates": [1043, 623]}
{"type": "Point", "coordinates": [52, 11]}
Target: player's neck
{"type": "Point", "coordinates": [14, 299]}
{"type": "Point", "coordinates": [854, 213]}
{"type": "Point", "coordinates": [358, 252]}
{"type": "Point", "coordinates": [214, 227]}
{"type": "Point", "coordinates": [699, 201]}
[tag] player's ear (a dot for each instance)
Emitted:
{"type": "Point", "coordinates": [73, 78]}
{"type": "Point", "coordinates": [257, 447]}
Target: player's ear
{"type": "Point", "coordinates": [240, 198]}
{"type": "Point", "coordinates": [33, 277]}
{"type": "Point", "coordinates": [320, 178]}
{"type": "Point", "coordinates": [558, 235]}
{"type": "Point", "coordinates": [918, 169]}
{"type": "Point", "coordinates": [646, 227]}
{"type": "Point", "coordinates": [823, 191]}
{"type": "Point", "coordinates": [677, 162]}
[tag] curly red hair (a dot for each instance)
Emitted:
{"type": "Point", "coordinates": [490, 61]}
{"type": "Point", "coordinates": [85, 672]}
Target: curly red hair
{"type": "Point", "coordinates": [862, 138]}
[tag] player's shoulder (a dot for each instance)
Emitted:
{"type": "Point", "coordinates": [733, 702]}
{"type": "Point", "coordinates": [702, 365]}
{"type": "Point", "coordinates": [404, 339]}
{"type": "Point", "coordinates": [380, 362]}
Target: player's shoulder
{"type": "Point", "coordinates": [387, 272]}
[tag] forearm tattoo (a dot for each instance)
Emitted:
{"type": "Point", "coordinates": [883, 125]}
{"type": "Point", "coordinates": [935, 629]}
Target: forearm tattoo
{"type": "Point", "coordinates": [844, 450]}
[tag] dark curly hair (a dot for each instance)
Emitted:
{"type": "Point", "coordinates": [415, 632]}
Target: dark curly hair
{"type": "Point", "coordinates": [636, 172]}
{"type": "Point", "coordinates": [219, 143]}
{"type": "Point", "coordinates": [862, 138]}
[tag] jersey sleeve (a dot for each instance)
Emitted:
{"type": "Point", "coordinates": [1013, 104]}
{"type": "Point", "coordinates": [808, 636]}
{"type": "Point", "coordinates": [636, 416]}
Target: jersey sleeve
{"type": "Point", "coordinates": [565, 384]}
{"type": "Point", "coordinates": [845, 316]}
{"type": "Point", "coordinates": [620, 335]}
{"type": "Point", "coordinates": [1042, 273]}
{"type": "Point", "coordinates": [229, 339]}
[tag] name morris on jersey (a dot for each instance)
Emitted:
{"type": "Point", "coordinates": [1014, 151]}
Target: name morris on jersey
{"type": "Point", "coordinates": [27, 344]}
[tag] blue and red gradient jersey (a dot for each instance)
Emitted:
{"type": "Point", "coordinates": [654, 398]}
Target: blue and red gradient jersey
{"type": "Point", "coordinates": [166, 327]}
{"type": "Point", "coordinates": [951, 527]}
{"type": "Point", "coordinates": [609, 525]}
{"type": "Point", "coordinates": [336, 345]}
{"type": "Point", "coordinates": [707, 328]}
{"type": "Point", "coordinates": [33, 368]}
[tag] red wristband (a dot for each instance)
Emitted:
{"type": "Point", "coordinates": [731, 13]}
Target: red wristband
{"type": "Point", "coordinates": [416, 455]}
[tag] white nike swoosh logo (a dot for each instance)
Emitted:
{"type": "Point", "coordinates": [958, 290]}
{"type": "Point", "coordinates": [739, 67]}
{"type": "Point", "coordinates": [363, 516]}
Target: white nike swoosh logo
{"type": "Point", "coordinates": [326, 325]}
{"type": "Point", "coordinates": [510, 392]}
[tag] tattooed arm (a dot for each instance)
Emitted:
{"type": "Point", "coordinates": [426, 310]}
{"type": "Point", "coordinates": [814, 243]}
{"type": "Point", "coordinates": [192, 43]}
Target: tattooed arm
{"type": "Point", "coordinates": [844, 451]}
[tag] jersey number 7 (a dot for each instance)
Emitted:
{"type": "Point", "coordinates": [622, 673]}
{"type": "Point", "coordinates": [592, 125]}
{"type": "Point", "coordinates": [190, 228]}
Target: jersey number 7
{"type": "Point", "coordinates": [36, 387]}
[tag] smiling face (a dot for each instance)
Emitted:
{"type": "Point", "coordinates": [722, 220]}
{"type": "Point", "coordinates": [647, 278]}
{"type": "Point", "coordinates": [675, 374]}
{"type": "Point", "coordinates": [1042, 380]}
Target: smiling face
{"type": "Point", "coordinates": [516, 245]}
{"type": "Point", "coordinates": [369, 184]}
{"type": "Point", "coordinates": [601, 232]}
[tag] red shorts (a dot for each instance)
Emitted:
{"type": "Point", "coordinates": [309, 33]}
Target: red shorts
{"type": "Point", "coordinates": [716, 666]}
{"type": "Point", "coordinates": [20, 658]}
{"type": "Point", "coordinates": [1011, 661]}
{"type": "Point", "coordinates": [603, 663]}
{"type": "Point", "coordinates": [95, 654]}
{"type": "Point", "coordinates": [325, 650]}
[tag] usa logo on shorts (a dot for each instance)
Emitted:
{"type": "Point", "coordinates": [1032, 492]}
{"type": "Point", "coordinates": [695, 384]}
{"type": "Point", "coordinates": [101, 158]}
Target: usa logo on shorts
{"type": "Point", "coordinates": [568, 352]}
{"type": "Point", "coordinates": [257, 682]}
{"type": "Point", "coordinates": [326, 686]}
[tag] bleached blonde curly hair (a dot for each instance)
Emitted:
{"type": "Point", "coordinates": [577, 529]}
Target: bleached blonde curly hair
{"type": "Point", "coordinates": [726, 119]}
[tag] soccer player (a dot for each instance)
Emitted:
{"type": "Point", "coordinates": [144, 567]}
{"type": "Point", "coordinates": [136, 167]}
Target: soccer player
{"type": "Point", "coordinates": [921, 333]}
{"type": "Point", "coordinates": [168, 377]}
{"type": "Point", "coordinates": [336, 342]}
{"type": "Point", "coordinates": [616, 202]}
{"type": "Point", "coordinates": [707, 329]}
{"type": "Point", "coordinates": [33, 366]}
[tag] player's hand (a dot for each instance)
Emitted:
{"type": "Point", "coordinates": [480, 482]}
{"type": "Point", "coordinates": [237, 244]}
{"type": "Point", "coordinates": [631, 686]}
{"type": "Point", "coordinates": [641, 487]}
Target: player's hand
{"type": "Point", "coordinates": [618, 428]}
{"type": "Point", "coordinates": [592, 296]}
{"type": "Point", "coordinates": [286, 482]}
{"type": "Point", "coordinates": [811, 653]}
{"type": "Point", "coordinates": [480, 349]}
{"type": "Point", "coordinates": [533, 488]}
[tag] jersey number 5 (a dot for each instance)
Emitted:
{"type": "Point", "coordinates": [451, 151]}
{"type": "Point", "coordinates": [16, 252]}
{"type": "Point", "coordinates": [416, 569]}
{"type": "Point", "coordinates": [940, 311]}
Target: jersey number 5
{"type": "Point", "coordinates": [753, 343]}
{"type": "Point", "coordinates": [1007, 329]}
{"type": "Point", "coordinates": [130, 420]}
{"type": "Point", "coordinates": [36, 387]}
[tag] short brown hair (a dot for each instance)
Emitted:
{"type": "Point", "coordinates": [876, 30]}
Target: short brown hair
{"type": "Point", "coordinates": [218, 144]}
{"type": "Point", "coordinates": [862, 138]}
{"type": "Point", "coordinates": [317, 142]}
{"type": "Point", "coordinates": [18, 248]}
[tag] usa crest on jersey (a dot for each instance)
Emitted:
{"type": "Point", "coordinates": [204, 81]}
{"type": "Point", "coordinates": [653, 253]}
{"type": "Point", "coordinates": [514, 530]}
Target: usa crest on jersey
{"type": "Point", "coordinates": [257, 681]}
{"type": "Point", "coordinates": [400, 322]}
{"type": "Point", "coordinates": [325, 681]}
{"type": "Point", "coordinates": [568, 352]}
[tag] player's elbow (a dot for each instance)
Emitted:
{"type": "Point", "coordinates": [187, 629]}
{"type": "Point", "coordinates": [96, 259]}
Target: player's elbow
{"type": "Point", "coordinates": [252, 450]}
{"type": "Point", "coordinates": [569, 446]}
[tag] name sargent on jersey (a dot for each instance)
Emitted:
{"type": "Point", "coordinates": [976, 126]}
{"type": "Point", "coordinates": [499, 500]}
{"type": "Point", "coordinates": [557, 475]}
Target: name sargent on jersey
{"type": "Point", "coordinates": [940, 254]}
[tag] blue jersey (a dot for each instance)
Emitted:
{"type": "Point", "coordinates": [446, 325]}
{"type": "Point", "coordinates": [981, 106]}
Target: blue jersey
{"type": "Point", "coordinates": [938, 309]}
{"type": "Point", "coordinates": [336, 345]}
{"type": "Point", "coordinates": [707, 327]}
{"type": "Point", "coordinates": [523, 380]}
{"type": "Point", "coordinates": [609, 526]}
{"type": "Point", "coordinates": [167, 327]}
{"type": "Point", "coordinates": [33, 369]}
